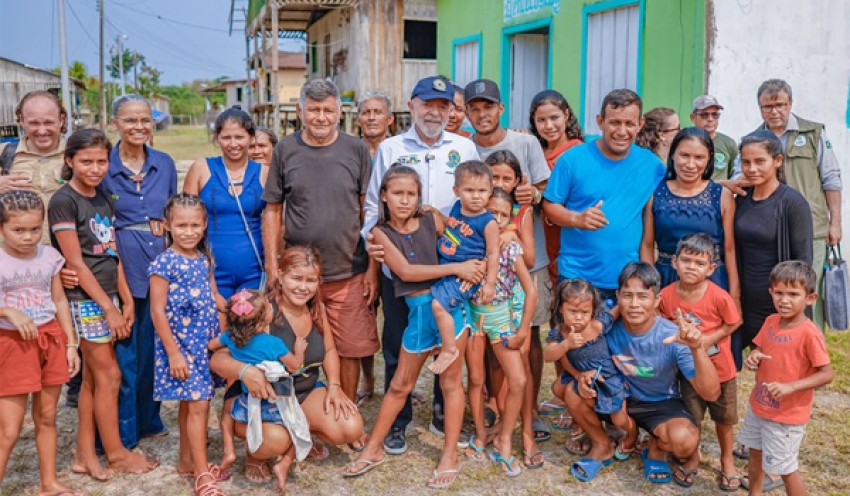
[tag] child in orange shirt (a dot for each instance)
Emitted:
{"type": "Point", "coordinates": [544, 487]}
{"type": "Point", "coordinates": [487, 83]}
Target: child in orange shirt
{"type": "Point", "coordinates": [714, 312]}
{"type": "Point", "coordinates": [790, 361]}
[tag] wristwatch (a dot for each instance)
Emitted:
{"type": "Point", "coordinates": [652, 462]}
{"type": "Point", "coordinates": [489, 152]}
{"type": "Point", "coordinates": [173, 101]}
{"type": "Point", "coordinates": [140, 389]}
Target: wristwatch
{"type": "Point", "coordinates": [538, 196]}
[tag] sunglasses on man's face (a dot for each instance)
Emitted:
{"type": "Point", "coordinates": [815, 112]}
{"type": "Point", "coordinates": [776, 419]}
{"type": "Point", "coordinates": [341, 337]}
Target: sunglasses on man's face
{"type": "Point", "coordinates": [708, 115]}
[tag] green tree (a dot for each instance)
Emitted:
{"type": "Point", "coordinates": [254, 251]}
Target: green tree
{"type": "Point", "coordinates": [131, 60]}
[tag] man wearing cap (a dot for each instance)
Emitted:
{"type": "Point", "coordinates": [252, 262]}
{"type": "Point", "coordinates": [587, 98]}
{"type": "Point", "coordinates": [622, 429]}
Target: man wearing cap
{"type": "Point", "coordinates": [434, 153]}
{"type": "Point", "coordinates": [810, 167]}
{"type": "Point", "coordinates": [484, 109]}
{"type": "Point", "coordinates": [705, 115]}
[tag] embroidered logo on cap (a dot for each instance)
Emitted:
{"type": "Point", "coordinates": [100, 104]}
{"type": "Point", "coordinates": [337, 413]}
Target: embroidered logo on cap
{"type": "Point", "coordinates": [479, 87]}
{"type": "Point", "coordinates": [439, 85]}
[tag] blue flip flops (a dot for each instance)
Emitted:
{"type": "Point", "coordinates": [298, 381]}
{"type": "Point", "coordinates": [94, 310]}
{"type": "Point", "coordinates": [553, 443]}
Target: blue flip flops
{"type": "Point", "coordinates": [505, 465]}
{"type": "Point", "coordinates": [653, 467]}
{"type": "Point", "coordinates": [586, 469]}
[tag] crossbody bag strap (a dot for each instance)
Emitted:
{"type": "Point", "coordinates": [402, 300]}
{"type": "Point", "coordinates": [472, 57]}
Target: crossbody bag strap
{"type": "Point", "coordinates": [244, 220]}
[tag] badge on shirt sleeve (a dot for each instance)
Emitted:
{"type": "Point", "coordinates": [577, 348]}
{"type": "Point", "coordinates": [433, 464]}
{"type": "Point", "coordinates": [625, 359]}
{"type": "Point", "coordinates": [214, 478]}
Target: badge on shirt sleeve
{"type": "Point", "coordinates": [800, 141]}
{"type": "Point", "coordinates": [454, 159]}
{"type": "Point", "coordinates": [827, 144]}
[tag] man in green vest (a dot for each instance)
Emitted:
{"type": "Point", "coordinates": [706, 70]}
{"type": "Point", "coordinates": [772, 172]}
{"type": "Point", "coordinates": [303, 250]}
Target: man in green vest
{"type": "Point", "coordinates": [810, 167]}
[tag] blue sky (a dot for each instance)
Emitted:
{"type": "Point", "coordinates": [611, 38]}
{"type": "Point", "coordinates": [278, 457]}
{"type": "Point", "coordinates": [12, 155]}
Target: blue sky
{"type": "Point", "coordinates": [185, 39]}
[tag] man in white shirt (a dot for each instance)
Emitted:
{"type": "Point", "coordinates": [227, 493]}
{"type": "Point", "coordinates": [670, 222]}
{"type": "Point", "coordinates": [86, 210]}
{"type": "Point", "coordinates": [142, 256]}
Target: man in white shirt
{"type": "Point", "coordinates": [434, 154]}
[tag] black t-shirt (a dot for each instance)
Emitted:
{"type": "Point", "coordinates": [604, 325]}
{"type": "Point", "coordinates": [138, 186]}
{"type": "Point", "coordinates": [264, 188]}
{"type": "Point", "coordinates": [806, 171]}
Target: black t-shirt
{"type": "Point", "coordinates": [322, 187]}
{"type": "Point", "coordinates": [93, 219]}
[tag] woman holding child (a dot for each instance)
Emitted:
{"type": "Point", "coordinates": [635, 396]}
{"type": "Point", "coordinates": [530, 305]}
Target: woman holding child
{"type": "Point", "coordinates": [297, 313]}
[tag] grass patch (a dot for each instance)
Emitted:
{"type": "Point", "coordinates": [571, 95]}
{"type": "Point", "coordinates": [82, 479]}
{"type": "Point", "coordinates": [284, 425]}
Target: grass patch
{"type": "Point", "coordinates": [838, 344]}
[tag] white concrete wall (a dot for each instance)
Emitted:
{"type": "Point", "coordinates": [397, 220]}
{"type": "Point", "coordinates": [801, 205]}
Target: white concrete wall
{"type": "Point", "coordinates": [805, 43]}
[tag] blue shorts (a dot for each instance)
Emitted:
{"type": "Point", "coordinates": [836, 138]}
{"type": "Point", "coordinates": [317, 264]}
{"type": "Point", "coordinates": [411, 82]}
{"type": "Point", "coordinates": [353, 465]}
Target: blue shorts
{"type": "Point", "coordinates": [268, 411]}
{"type": "Point", "coordinates": [422, 334]}
{"type": "Point", "coordinates": [448, 294]}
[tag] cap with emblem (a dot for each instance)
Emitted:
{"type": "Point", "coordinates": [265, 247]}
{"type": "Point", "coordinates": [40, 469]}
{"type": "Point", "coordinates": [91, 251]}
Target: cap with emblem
{"type": "Point", "coordinates": [702, 102]}
{"type": "Point", "coordinates": [483, 89]}
{"type": "Point", "coordinates": [432, 88]}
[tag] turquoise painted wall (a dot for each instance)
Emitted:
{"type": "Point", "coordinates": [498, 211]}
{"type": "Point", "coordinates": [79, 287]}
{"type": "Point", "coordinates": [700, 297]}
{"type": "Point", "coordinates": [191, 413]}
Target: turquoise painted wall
{"type": "Point", "coordinates": [670, 61]}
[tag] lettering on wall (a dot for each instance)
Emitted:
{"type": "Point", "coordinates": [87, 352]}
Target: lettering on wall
{"type": "Point", "coordinates": [516, 8]}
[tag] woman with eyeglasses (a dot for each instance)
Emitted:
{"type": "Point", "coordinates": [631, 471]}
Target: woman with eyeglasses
{"type": "Point", "coordinates": [140, 180]}
{"type": "Point", "coordinates": [660, 126]}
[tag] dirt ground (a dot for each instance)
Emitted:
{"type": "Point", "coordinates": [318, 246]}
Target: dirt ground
{"type": "Point", "coordinates": [823, 458]}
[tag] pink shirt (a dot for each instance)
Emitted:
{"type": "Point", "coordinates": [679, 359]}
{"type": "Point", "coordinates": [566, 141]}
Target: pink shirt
{"type": "Point", "coordinates": [25, 284]}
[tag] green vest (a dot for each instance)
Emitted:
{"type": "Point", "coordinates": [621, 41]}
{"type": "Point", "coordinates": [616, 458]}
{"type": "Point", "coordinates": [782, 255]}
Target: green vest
{"type": "Point", "coordinates": [802, 172]}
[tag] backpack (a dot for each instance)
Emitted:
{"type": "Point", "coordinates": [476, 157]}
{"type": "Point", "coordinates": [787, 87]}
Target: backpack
{"type": "Point", "coordinates": [7, 157]}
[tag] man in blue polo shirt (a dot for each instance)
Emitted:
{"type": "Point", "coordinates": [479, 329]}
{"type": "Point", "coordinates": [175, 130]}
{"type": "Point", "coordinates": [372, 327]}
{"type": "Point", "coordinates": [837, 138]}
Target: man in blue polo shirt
{"type": "Point", "coordinates": [597, 192]}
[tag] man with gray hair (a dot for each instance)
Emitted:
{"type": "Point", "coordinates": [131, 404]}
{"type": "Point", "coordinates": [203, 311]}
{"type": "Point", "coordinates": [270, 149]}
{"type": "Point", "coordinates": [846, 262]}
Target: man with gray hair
{"type": "Point", "coordinates": [374, 116]}
{"type": "Point", "coordinates": [321, 174]}
{"type": "Point", "coordinates": [810, 167]}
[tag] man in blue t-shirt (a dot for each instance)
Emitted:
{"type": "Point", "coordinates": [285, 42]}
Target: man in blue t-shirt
{"type": "Point", "coordinates": [597, 192]}
{"type": "Point", "coordinates": [650, 352]}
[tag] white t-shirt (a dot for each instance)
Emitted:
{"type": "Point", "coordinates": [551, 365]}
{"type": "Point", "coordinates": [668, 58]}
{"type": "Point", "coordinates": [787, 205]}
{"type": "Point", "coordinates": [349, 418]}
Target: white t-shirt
{"type": "Point", "coordinates": [25, 284]}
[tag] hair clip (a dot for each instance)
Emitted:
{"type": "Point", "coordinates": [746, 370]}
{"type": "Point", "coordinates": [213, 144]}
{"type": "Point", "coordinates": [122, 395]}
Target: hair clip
{"type": "Point", "coordinates": [242, 306]}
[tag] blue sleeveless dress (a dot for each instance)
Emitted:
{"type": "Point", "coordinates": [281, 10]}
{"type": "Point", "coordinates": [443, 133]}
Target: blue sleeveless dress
{"type": "Point", "coordinates": [236, 265]}
{"type": "Point", "coordinates": [677, 216]}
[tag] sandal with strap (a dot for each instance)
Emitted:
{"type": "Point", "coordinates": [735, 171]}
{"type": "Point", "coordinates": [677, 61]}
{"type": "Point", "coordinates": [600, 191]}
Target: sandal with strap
{"type": "Point", "coordinates": [208, 488]}
{"type": "Point", "coordinates": [506, 466]}
{"type": "Point", "coordinates": [262, 468]}
{"type": "Point", "coordinates": [477, 454]}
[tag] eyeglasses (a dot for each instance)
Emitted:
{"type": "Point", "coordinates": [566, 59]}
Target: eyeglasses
{"type": "Point", "coordinates": [776, 106]}
{"type": "Point", "coordinates": [146, 122]}
{"type": "Point", "coordinates": [708, 115]}
{"type": "Point", "coordinates": [672, 130]}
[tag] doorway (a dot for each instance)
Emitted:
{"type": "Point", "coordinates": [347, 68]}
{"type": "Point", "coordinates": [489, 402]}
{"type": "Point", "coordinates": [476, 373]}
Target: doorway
{"type": "Point", "coordinates": [529, 73]}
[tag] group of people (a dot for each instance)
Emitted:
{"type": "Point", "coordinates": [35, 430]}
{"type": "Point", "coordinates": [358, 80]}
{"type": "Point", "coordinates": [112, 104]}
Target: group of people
{"type": "Point", "coordinates": [654, 266]}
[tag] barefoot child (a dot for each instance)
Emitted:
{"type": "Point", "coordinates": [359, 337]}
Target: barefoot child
{"type": "Point", "coordinates": [36, 331]}
{"type": "Point", "coordinates": [714, 312]}
{"type": "Point", "coordinates": [184, 314]}
{"type": "Point", "coordinates": [505, 322]}
{"type": "Point", "coordinates": [790, 361]}
{"type": "Point", "coordinates": [471, 233]}
{"type": "Point", "coordinates": [81, 219]}
{"type": "Point", "coordinates": [409, 237]}
{"type": "Point", "coordinates": [582, 348]}
{"type": "Point", "coordinates": [249, 314]}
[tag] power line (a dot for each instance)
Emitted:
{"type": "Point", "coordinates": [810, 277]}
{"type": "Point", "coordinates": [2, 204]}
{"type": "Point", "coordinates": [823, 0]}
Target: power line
{"type": "Point", "coordinates": [174, 21]}
{"type": "Point", "coordinates": [80, 23]}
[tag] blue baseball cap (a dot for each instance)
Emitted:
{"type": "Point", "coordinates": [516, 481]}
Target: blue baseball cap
{"type": "Point", "coordinates": [433, 88]}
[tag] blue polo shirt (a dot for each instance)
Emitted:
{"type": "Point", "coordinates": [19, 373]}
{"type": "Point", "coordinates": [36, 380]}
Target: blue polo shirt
{"type": "Point", "coordinates": [137, 249]}
{"type": "Point", "coordinates": [581, 178]}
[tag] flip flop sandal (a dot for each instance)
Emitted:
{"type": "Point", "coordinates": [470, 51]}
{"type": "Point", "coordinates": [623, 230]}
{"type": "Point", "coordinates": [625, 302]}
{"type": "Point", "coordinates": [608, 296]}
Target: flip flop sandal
{"type": "Point", "coordinates": [653, 467]}
{"type": "Point", "coordinates": [263, 469]}
{"type": "Point", "coordinates": [768, 484]}
{"type": "Point", "coordinates": [549, 407]}
{"type": "Point", "coordinates": [528, 460]}
{"type": "Point", "coordinates": [363, 398]}
{"type": "Point", "coordinates": [541, 431]}
{"type": "Point", "coordinates": [622, 455]}
{"type": "Point", "coordinates": [741, 452]}
{"type": "Point", "coordinates": [564, 422]}
{"type": "Point", "coordinates": [687, 474]}
{"type": "Point", "coordinates": [584, 445]}
{"type": "Point", "coordinates": [218, 473]}
{"type": "Point", "coordinates": [478, 455]}
{"type": "Point", "coordinates": [367, 466]}
{"type": "Point", "coordinates": [505, 466]}
{"type": "Point", "coordinates": [586, 469]}
{"type": "Point", "coordinates": [725, 483]}
{"type": "Point", "coordinates": [319, 452]}
{"type": "Point", "coordinates": [442, 485]}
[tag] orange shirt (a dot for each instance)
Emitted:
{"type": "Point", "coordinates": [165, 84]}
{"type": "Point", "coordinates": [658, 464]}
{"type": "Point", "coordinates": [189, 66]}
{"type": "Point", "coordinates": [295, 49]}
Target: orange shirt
{"type": "Point", "coordinates": [712, 311]}
{"type": "Point", "coordinates": [795, 353]}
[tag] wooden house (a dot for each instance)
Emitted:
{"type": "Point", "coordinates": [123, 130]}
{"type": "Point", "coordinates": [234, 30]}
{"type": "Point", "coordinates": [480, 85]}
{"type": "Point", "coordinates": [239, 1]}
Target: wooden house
{"type": "Point", "coordinates": [17, 79]}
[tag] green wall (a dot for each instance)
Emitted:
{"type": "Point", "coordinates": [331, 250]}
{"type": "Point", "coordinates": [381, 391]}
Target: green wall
{"type": "Point", "coordinates": [670, 65]}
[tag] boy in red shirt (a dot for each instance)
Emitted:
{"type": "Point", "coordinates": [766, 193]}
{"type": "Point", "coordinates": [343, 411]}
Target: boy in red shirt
{"type": "Point", "coordinates": [790, 361]}
{"type": "Point", "coordinates": [714, 312]}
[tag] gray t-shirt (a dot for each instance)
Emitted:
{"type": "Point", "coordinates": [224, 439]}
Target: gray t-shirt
{"type": "Point", "coordinates": [533, 162]}
{"type": "Point", "coordinates": [322, 187]}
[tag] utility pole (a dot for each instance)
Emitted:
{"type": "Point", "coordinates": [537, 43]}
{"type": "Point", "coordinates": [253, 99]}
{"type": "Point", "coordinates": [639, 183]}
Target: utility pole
{"type": "Point", "coordinates": [63, 56]}
{"type": "Point", "coordinates": [118, 40]}
{"type": "Point", "coordinates": [102, 74]}
{"type": "Point", "coordinates": [135, 74]}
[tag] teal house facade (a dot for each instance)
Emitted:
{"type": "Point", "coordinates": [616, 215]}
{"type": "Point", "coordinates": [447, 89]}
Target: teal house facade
{"type": "Point", "coordinates": [582, 48]}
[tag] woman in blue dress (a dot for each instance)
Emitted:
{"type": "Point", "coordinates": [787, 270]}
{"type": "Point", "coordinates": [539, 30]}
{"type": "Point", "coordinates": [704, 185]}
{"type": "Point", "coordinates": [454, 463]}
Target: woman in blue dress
{"type": "Point", "coordinates": [231, 186]}
{"type": "Point", "coordinates": [686, 202]}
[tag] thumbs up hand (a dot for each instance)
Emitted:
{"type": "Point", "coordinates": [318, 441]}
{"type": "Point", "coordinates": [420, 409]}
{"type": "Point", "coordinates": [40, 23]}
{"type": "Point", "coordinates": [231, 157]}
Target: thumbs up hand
{"type": "Point", "coordinates": [525, 191]}
{"type": "Point", "coordinates": [593, 218]}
